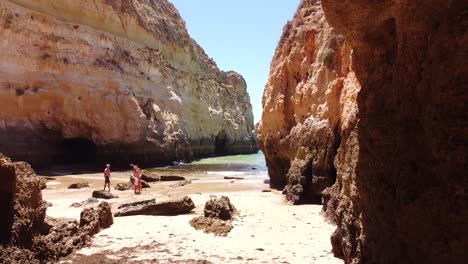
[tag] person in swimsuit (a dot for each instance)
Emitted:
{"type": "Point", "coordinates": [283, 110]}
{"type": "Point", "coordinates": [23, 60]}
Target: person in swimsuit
{"type": "Point", "coordinates": [107, 177]}
{"type": "Point", "coordinates": [136, 179]}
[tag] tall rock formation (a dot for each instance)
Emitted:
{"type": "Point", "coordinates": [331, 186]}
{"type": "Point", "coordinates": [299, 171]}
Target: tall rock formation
{"type": "Point", "coordinates": [400, 194]}
{"type": "Point", "coordinates": [309, 105]}
{"type": "Point", "coordinates": [113, 81]}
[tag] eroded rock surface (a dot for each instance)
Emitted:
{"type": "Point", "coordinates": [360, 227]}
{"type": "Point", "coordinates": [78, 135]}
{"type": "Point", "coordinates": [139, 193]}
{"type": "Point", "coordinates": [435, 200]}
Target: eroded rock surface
{"type": "Point", "coordinates": [398, 147]}
{"type": "Point", "coordinates": [309, 103]}
{"type": "Point", "coordinates": [401, 194]}
{"type": "Point", "coordinates": [173, 207]}
{"type": "Point", "coordinates": [113, 81]}
{"type": "Point", "coordinates": [217, 217]}
{"type": "Point", "coordinates": [104, 195]}
{"type": "Point", "coordinates": [221, 208]}
{"type": "Point", "coordinates": [27, 236]}
{"type": "Point", "coordinates": [79, 185]}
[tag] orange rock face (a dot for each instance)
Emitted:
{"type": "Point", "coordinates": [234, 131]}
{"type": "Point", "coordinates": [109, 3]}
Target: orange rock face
{"type": "Point", "coordinates": [310, 99]}
{"type": "Point", "coordinates": [114, 80]}
{"type": "Point", "coordinates": [396, 136]}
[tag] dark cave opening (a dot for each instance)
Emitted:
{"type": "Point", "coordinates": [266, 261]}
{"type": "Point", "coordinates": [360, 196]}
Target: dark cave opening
{"type": "Point", "coordinates": [77, 151]}
{"type": "Point", "coordinates": [7, 189]}
{"type": "Point", "coordinates": [221, 144]}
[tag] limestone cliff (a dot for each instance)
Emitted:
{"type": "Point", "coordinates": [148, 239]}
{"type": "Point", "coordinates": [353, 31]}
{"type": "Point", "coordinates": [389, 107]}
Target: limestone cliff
{"type": "Point", "coordinates": [399, 152]}
{"type": "Point", "coordinates": [308, 103]}
{"type": "Point", "coordinates": [112, 80]}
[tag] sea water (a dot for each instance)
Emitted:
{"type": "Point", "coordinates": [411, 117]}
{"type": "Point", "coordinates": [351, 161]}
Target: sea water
{"type": "Point", "coordinates": [251, 168]}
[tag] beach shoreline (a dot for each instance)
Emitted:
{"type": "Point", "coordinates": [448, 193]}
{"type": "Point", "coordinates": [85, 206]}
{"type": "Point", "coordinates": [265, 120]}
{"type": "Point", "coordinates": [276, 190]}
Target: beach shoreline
{"type": "Point", "coordinates": [266, 229]}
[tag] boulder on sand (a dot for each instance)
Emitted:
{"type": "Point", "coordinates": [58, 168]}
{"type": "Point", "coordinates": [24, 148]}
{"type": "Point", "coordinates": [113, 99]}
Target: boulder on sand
{"type": "Point", "coordinates": [147, 178]}
{"type": "Point", "coordinates": [218, 213]}
{"type": "Point", "coordinates": [144, 202]}
{"type": "Point", "coordinates": [79, 185]}
{"type": "Point", "coordinates": [85, 202]}
{"type": "Point", "coordinates": [128, 186]}
{"type": "Point", "coordinates": [211, 225]}
{"type": "Point", "coordinates": [171, 178]}
{"type": "Point", "coordinates": [173, 207]}
{"type": "Point", "coordinates": [104, 194]}
{"type": "Point", "coordinates": [123, 186]}
{"type": "Point", "coordinates": [219, 208]}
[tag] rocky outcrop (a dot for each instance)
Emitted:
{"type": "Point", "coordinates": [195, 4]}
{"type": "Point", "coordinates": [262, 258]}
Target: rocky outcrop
{"type": "Point", "coordinates": [113, 81]}
{"type": "Point", "coordinates": [79, 185]}
{"type": "Point", "coordinates": [219, 208]}
{"type": "Point", "coordinates": [402, 189]}
{"type": "Point", "coordinates": [104, 195]}
{"type": "Point", "coordinates": [308, 104]}
{"type": "Point", "coordinates": [400, 158]}
{"type": "Point", "coordinates": [86, 202]}
{"type": "Point", "coordinates": [27, 236]}
{"type": "Point", "coordinates": [169, 208]}
{"type": "Point", "coordinates": [217, 217]}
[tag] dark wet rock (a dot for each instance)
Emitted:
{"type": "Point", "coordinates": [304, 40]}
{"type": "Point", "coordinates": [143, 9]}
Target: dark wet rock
{"type": "Point", "coordinates": [172, 207]}
{"type": "Point", "coordinates": [49, 204]}
{"type": "Point", "coordinates": [211, 225]}
{"type": "Point", "coordinates": [123, 186]}
{"type": "Point", "coordinates": [266, 181]}
{"type": "Point", "coordinates": [219, 208]}
{"type": "Point", "coordinates": [233, 178]}
{"type": "Point", "coordinates": [104, 194]}
{"type": "Point", "coordinates": [89, 201]}
{"type": "Point", "coordinates": [151, 178]}
{"type": "Point", "coordinates": [253, 168]}
{"type": "Point", "coordinates": [266, 190]}
{"type": "Point", "coordinates": [129, 186]}
{"type": "Point", "coordinates": [145, 202]}
{"type": "Point", "coordinates": [181, 183]}
{"type": "Point", "coordinates": [78, 185]}
{"type": "Point", "coordinates": [172, 178]}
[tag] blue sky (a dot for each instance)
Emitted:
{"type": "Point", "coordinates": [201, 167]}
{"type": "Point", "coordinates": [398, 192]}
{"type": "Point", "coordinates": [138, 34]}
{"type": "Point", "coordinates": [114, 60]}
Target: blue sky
{"type": "Point", "coordinates": [239, 35]}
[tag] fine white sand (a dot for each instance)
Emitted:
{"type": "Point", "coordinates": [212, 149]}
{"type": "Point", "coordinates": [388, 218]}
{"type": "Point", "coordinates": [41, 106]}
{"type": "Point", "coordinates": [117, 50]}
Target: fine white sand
{"type": "Point", "coordinates": [266, 229]}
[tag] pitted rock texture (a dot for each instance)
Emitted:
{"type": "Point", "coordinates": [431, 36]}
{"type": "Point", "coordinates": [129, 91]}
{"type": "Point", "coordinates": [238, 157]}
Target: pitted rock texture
{"type": "Point", "coordinates": [168, 208]}
{"type": "Point", "coordinates": [113, 81]}
{"type": "Point", "coordinates": [27, 235]}
{"type": "Point", "coordinates": [400, 194]}
{"type": "Point", "coordinates": [403, 192]}
{"type": "Point", "coordinates": [308, 103]}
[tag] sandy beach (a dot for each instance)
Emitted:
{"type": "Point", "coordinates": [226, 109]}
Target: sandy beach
{"type": "Point", "coordinates": [266, 228]}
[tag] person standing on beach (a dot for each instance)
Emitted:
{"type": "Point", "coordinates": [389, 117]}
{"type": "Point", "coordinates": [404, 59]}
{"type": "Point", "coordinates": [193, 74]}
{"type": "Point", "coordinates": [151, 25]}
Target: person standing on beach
{"type": "Point", "coordinates": [107, 176]}
{"type": "Point", "coordinates": [136, 179]}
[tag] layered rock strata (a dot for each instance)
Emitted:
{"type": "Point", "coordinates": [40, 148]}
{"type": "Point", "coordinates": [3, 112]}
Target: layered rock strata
{"type": "Point", "coordinates": [309, 103]}
{"type": "Point", "coordinates": [112, 81]}
{"type": "Point", "coordinates": [26, 234]}
{"type": "Point", "coordinates": [400, 194]}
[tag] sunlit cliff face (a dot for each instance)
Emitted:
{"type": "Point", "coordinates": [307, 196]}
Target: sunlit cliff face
{"type": "Point", "coordinates": [124, 78]}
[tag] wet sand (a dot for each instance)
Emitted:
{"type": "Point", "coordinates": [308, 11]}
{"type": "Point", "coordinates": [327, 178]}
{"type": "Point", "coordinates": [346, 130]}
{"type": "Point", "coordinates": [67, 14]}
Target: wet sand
{"type": "Point", "coordinates": [266, 229]}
